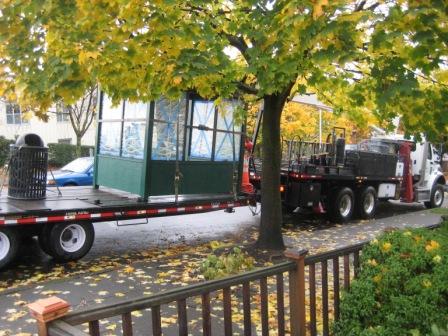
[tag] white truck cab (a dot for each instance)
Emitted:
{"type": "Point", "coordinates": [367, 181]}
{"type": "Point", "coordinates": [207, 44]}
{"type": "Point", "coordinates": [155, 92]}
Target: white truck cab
{"type": "Point", "coordinates": [427, 175]}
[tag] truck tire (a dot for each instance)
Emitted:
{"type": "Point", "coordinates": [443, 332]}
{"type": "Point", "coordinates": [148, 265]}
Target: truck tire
{"type": "Point", "coordinates": [289, 209]}
{"type": "Point", "coordinates": [43, 239]}
{"type": "Point", "coordinates": [70, 241]}
{"type": "Point", "coordinates": [366, 202]}
{"type": "Point", "coordinates": [9, 246]}
{"type": "Point", "coordinates": [437, 196]}
{"type": "Point", "coordinates": [341, 205]}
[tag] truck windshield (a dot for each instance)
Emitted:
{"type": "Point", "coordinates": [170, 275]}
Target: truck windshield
{"type": "Point", "coordinates": [79, 165]}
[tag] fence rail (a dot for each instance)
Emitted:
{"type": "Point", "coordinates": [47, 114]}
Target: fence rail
{"type": "Point", "coordinates": [326, 273]}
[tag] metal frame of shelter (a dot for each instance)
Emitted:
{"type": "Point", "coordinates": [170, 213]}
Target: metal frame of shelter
{"type": "Point", "coordinates": [177, 147]}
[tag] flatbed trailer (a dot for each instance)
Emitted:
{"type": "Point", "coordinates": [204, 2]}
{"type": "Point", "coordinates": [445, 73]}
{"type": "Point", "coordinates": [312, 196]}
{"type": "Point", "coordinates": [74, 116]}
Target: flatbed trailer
{"type": "Point", "coordinates": [72, 212]}
{"type": "Point", "coordinates": [97, 205]}
{"type": "Point", "coordinates": [159, 158]}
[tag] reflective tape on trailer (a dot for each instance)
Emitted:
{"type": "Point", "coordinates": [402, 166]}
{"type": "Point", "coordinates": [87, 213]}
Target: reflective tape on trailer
{"type": "Point", "coordinates": [121, 214]}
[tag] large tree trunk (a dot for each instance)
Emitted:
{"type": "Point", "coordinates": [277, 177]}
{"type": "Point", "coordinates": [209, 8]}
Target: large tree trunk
{"type": "Point", "coordinates": [271, 208]}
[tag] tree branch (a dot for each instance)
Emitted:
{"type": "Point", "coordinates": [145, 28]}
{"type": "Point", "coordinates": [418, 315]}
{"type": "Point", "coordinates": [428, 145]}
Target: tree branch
{"type": "Point", "coordinates": [238, 43]}
{"type": "Point", "coordinates": [235, 41]}
{"type": "Point", "coordinates": [360, 6]}
{"type": "Point", "coordinates": [246, 88]}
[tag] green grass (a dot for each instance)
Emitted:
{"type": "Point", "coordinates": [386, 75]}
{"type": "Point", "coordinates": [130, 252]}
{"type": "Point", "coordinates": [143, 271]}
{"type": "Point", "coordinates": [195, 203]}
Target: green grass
{"type": "Point", "coordinates": [440, 211]}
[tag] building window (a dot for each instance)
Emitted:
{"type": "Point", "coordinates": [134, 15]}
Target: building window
{"type": "Point", "coordinates": [62, 116]}
{"type": "Point", "coordinates": [14, 115]}
{"type": "Point", "coordinates": [67, 141]}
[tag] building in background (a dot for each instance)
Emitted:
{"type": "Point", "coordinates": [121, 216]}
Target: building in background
{"type": "Point", "coordinates": [58, 129]}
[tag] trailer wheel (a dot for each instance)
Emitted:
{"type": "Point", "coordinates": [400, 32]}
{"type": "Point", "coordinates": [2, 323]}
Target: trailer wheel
{"type": "Point", "coordinates": [437, 196]}
{"type": "Point", "coordinates": [9, 246]}
{"type": "Point", "coordinates": [289, 209]}
{"type": "Point", "coordinates": [366, 202]}
{"type": "Point", "coordinates": [43, 239]}
{"type": "Point", "coordinates": [70, 241]}
{"type": "Point", "coordinates": [341, 205]}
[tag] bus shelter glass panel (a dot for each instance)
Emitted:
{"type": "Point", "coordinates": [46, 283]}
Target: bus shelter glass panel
{"type": "Point", "coordinates": [122, 128]}
{"type": "Point", "coordinates": [202, 130]}
{"type": "Point", "coordinates": [133, 139]}
{"type": "Point", "coordinates": [168, 129]}
{"type": "Point", "coordinates": [133, 142]}
{"type": "Point", "coordinates": [110, 138]}
{"type": "Point", "coordinates": [110, 127]}
{"type": "Point", "coordinates": [111, 111]}
{"type": "Point", "coordinates": [228, 135]}
{"type": "Point", "coordinates": [135, 110]}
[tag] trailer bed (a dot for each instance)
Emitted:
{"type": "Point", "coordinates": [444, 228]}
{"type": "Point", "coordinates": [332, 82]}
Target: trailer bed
{"type": "Point", "coordinates": [90, 204]}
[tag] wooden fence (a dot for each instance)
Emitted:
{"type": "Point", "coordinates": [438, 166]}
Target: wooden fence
{"type": "Point", "coordinates": [308, 312]}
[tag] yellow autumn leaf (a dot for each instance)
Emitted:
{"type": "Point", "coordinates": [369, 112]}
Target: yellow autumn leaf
{"type": "Point", "coordinates": [177, 80]}
{"type": "Point", "coordinates": [129, 269]}
{"type": "Point", "coordinates": [437, 259]}
{"type": "Point", "coordinates": [426, 283]}
{"type": "Point", "coordinates": [317, 8]}
{"type": "Point", "coordinates": [372, 262]}
{"type": "Point", "coordinates": [84, 56]}
{"type": "Point", "coordinates": [20, 303]}
{"type": "Point", "coordinates": [214, 244]}
{"type": "Point", "coordinates": [51, 292]}
{"type": "Point", "coordinates": [432, 245]}
{"type": "Point", "coordinates": [111, 326]}
{"type": "Point", "coordinates": [136, 313]}
{"type": "Point", "coordinates": [166, 321]}
{"type": "Point", "coordinates": [15, 316]}
{"type": "Point", "coordinates": [386, 247]}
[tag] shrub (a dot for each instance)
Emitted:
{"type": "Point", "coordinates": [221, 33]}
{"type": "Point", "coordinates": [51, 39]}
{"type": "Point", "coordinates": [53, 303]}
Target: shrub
{"type": "Point", "coordinates": [235, 261]}
{"type": "Point", "coordinates": [4, 150]}
{"type": "Point", "coordinates": [61, 154]}
{"type": "Point", "coordinates": [402, 288]}
{"type": "Point", "coordinates": [436, 331]}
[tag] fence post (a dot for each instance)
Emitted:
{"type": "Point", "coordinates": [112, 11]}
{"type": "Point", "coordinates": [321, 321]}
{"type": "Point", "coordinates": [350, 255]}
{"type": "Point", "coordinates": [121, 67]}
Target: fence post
{"type": "Point", "coordinates": [46, 310]}
{"type": "Point", "coordinates": [297, 293]}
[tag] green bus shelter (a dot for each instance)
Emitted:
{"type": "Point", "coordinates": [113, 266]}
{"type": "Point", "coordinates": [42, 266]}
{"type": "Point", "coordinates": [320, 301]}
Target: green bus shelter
{"type": "Point", "coordinates": [185, 146]}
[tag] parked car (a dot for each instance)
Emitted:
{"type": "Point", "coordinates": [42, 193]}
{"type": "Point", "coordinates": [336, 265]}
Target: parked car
{"type": "Point", "coordinates": [79, 172]}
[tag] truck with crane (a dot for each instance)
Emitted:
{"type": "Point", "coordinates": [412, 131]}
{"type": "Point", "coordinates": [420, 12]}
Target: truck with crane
{"type": "Point", "coordinates": [346, 181]}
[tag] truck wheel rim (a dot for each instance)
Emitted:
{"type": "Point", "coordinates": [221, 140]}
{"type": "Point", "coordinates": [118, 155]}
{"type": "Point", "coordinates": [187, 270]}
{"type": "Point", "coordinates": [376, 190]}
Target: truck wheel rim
{"type": "Point", "coordinates": [5, 245]}
{"type": "Point", "coordinates": [438, 197]}
{"type": "Point", "coordinates": [369, 203]}
{"type": "Point", "coordinates": [72, 238]}
{"type": "Point", "coordinates": [345, 206]}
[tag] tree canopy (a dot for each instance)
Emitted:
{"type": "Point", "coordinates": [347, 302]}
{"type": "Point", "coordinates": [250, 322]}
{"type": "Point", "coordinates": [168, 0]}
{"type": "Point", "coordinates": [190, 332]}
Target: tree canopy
{"type": "Point", "coordinates": [386, 57]}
